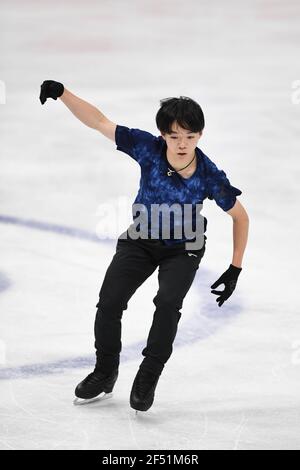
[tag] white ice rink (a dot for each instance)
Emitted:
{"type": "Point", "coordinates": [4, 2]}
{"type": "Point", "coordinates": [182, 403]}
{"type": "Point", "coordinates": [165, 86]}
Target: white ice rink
{"type": "Point", "coordinates": [232, 381]}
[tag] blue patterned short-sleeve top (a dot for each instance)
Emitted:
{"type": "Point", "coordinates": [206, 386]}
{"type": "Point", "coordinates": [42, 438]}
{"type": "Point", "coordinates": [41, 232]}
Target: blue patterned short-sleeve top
{"type": "Point", "coordinates": [156, 187]}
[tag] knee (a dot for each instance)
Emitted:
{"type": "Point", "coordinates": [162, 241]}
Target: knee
{"type": "Point", "coordinates": [168, 301]}
{"type": "Point", "coordinates": [111, 304]}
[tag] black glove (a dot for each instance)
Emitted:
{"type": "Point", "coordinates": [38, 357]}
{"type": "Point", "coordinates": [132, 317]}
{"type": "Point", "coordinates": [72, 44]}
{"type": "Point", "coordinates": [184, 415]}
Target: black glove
{"type": "Point", "coordinates": [229, 278]}
{"type": "Point", "coordinates": [50, 89]}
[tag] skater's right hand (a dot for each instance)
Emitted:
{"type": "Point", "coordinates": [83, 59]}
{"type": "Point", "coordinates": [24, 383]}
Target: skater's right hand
{"type": "Point", "coordinates": [50, 89]}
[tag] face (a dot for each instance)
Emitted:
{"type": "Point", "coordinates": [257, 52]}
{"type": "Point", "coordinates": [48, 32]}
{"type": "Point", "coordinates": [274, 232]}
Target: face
{"type": "Point", "coordinates": [181, 142]}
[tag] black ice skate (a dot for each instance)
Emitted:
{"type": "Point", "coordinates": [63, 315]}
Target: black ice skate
{"type": "Point", "coordinates": [143, 389]}
{"type": "Point", "coordinates": [96, 386]}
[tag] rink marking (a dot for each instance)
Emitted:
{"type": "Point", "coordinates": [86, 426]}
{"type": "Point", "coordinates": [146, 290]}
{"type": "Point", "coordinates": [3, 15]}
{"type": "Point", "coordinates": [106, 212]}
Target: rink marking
{"type": "Point", "coordinates": [199, 327]}
{"type": "Point", "coordinates": [5, 282]}
{"type": "Point", "coordinates": [53, 228]}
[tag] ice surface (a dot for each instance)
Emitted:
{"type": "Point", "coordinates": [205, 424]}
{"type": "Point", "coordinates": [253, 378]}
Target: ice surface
{"type": "Point", "coordinates": [232, 381]}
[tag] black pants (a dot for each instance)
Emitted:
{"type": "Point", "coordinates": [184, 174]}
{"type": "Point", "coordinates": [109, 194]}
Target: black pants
{"type": "Point", "coordinates": [133, 262]}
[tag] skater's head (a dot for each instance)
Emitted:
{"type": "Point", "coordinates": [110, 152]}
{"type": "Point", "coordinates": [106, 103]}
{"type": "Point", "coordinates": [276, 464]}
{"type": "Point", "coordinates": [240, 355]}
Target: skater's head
{"type": "Point", "coordinates": [181, 122]}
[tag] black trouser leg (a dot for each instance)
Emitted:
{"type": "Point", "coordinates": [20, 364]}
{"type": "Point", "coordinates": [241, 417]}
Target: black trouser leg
{"type": "Point", "coordinates": [176, 275]}
{"type": "Point", "coordinates": [129, 268]}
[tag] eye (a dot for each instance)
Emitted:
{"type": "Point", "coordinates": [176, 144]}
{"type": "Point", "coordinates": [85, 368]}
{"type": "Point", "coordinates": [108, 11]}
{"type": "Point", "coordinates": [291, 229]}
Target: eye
{"type": "Point", "coordinates": [189, 137]}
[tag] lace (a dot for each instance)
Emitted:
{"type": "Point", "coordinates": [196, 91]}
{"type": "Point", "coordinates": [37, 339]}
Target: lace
{"type": "Point", "coordinates": [94, 377]}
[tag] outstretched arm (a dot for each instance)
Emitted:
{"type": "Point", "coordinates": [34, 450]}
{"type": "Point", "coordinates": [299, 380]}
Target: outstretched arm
{"type": "Point", "coordinates": [84, 111]}
{"type": "Point", "coordinates": [89, 114]}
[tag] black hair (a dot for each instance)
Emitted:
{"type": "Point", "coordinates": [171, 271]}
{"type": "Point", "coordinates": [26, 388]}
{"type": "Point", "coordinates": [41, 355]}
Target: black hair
{"type": "Point", "coordinates": [185, 111]}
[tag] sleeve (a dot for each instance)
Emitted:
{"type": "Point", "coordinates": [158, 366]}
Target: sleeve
{"type": "Point", "coordinates": [219, 187]}
{"type": "Point", "coordinates": [137, 143]}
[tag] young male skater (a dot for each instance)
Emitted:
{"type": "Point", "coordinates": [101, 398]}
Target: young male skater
{"type": "Point", "coordinates": [174, 173]}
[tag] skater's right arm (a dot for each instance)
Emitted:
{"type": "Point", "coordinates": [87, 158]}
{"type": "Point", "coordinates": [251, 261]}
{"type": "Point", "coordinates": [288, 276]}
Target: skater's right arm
{"type": "Point", "coordinates": [84, 111]}
{"type": "Point", "coordinates": [89, 114]}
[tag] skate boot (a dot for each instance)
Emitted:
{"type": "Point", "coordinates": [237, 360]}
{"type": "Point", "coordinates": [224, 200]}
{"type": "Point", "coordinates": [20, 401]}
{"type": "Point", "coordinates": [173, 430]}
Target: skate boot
{"type": "Point", "coordinates": [143, 388]}
{"type": "Point", "coordinates": [96, 386]}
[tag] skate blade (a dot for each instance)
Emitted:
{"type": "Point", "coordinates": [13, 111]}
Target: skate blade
{"type": "Point", "coordinates": [137, 412]}
{"type": "Point", "coordinates": [83, 401]}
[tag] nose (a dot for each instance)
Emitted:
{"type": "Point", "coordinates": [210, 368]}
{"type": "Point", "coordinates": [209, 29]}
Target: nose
{"type": "Point", "coordinates": [181, 142]}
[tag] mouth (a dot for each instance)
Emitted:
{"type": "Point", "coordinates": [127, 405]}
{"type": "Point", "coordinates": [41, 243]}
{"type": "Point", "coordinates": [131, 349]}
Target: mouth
{"type": "Point", "coordinates": [181, 153]}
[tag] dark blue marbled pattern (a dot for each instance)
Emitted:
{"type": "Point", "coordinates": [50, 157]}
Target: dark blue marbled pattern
{"type": "Point", "coordinates": [158, 188]}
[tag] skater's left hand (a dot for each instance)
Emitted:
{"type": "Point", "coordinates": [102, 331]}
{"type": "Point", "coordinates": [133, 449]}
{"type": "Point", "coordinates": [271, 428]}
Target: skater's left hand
{"type": "Point", "coordinates": [229, 279]}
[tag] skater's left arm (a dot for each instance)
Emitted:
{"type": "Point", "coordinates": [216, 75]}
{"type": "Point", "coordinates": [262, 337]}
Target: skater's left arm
{"type": "Point", "coordinates": [240, 235]}
{"type": "Point", "coordinates": [240, 232]}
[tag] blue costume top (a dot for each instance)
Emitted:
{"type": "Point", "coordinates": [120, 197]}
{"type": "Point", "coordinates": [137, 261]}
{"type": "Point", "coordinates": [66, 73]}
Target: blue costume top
{"type": "Point", "coordinates": [157, 188]}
